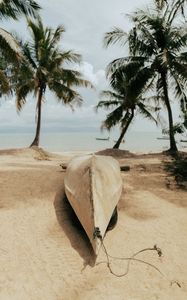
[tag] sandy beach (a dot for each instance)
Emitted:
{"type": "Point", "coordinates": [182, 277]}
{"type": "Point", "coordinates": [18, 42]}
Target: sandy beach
{"type": "Point", "coordinates": [44, 256]}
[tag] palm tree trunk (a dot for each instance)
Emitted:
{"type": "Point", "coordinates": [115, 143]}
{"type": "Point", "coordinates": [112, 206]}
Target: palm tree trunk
{"type": "Point", "coordinates": [173, 146]}
{"type": "Point", "coordinates": [38, 127]}
{"type": "Point", "coordinates": [117, 144]}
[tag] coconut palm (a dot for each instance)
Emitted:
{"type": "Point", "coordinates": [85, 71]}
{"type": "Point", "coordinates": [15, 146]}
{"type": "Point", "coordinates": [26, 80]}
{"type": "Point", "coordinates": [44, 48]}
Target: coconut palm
{"type": "Point", "coordinates": [128, 83]}
{"type": "Point", "coordinates": [155, 40]}
{"type": "Point", "coordinates": [13, 9]}
{"type": "Point", "coordinates": [46, 66]}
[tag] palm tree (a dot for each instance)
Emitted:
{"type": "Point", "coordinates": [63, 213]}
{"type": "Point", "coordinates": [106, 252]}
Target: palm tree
{"type": "Point", "coordinates": [155, 40]}
{"type": "Point", "coordinates": [46, 66]}
{"type": "Point", "coordinates": [13, 9]}
{"type": "Point", "coordinates": [128, 83]}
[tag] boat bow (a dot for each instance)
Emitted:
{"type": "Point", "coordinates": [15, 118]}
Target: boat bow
{"type": "Point", "coordinates": [93, 187]}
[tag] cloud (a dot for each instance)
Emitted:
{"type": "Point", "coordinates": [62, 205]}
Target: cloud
{"type": "Point", "coordinates": [97, 78]}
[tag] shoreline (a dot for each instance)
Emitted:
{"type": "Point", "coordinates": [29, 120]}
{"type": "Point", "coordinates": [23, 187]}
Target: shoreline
{"type": "Point", "coordinates": [136, 142]}
{"type": "Point", "coordinates": [106, 151]}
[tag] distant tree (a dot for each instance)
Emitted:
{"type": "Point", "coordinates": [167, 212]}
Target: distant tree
{"type": "Point", "coordinates": [46, 66]}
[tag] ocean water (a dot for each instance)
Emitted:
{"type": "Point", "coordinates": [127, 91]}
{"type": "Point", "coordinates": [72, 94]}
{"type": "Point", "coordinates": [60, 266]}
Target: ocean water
{"type": "Point", "coordinates": [140, 142]}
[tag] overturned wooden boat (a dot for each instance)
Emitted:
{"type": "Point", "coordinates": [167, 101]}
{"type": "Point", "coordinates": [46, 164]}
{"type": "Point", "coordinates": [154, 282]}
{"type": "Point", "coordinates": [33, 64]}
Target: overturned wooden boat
{"type": "Point", "coordinates": [93, 186]}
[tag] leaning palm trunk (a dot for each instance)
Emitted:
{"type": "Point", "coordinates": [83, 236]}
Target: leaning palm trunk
{"type": "Point", "coordinates": [173, 146]}
{"type": "Point", "coordinates": [39, 106]}
{"type": "Point", "coordinates": [124, 130]}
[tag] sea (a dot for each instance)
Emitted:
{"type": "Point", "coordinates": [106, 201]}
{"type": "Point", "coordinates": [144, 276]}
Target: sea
{"type": "Point", "coordinates": [137, 142]}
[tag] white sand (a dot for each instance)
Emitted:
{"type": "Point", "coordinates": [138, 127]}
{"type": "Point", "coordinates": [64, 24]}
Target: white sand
{"type": "Point", "coordinates": [43, 256]}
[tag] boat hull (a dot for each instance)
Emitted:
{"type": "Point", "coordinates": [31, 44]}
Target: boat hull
{"type": "Point", "coordinates": [93, 186]}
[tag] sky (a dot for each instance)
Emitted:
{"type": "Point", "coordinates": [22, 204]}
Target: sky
{"type": "Point", "coordinates": [86, 22]}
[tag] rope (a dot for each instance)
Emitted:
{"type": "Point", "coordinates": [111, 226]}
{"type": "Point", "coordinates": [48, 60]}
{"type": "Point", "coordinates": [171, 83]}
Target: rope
{"type": "Point", "coordinates": [97, 234]}
{"type": "Point", "coordinates": [132, 258]}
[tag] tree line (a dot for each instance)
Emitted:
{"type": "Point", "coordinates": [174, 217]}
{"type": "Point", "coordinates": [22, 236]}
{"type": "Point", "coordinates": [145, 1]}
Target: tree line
{"type": "Point", "coordinates": [144, 81]}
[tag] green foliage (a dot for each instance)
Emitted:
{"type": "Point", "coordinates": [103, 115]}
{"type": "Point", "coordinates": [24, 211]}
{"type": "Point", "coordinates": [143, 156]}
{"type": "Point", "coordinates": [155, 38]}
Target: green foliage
{"type": "Point", "coordinates": [178, 169]}
{"type": "Point", "coordinates": [128, 84]}
{"type": "Point", "coordinates": [157, 44]}
{"type": "Point", "coordinates": [4, 80]}
{"type": "Point", "coordinates": [177, 128]}
{"type": "Point", "coordinates": [9, 46]}
{"type": "Point", "coordinates": [46, 66]}
{"type": "Point", "coordinates": [15, 8]}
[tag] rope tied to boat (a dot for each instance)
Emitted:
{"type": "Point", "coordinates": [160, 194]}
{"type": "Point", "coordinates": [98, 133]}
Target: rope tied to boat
{"type": "Point", "coordinates": [97, 234]}
{"type": "Point", "coordinates": [132, 258]}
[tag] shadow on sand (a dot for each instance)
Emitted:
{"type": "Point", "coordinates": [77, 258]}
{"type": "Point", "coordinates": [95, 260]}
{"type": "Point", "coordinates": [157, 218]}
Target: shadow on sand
{"type": "Point", "coordinates": [73, 229]}
{"type": "Point", "coordinates": [177, 168]}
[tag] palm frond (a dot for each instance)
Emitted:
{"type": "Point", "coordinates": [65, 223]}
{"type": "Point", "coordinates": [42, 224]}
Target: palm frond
{"type": "Point", "coordinates": [70, 56]}
{"type": "Point", "coordinates": [112, 96]}
{"type": "Point", "coordinates": [9, 46]}
{"type": "Point", "coordinates": [130, 62]}
{"type": "Point", "coordinates": [73, 78]}
{"type": "Point", "coordinates": [27, 52]}
{"type": "Point", "coordinates": [140, 38]}
{"type": "Point", "coordinates": [177, 39]}
{"type": "Point", "coordinates": [176, 6]}
{"type": "Point", "coordinates": [179, 88]}
{"type": "Point", "coordinates": [113, 118]}
{"type": "Point", "coordinates": [141, 82]}
{"type": "Point", "coordinates": [57, 34]}
{"type": "Point", "coordinates": [145, 112]}
{"type": "Point", "coordinates": [21, 94]}
{"type": "Point", "coordinates": [64, 93]}
{"type": "Point", "coordinates": [117, 35]}
{"type": "Point", "coordinates": [14, 8]}
{"type": "Point", "coordinates": [179, 69]}
{"type": "Point", "coordinates": [106, 104]}
{"type": "Point", "coordinates": [4, 83]}
{"type": "Point", "coordinates": [182, 58]}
